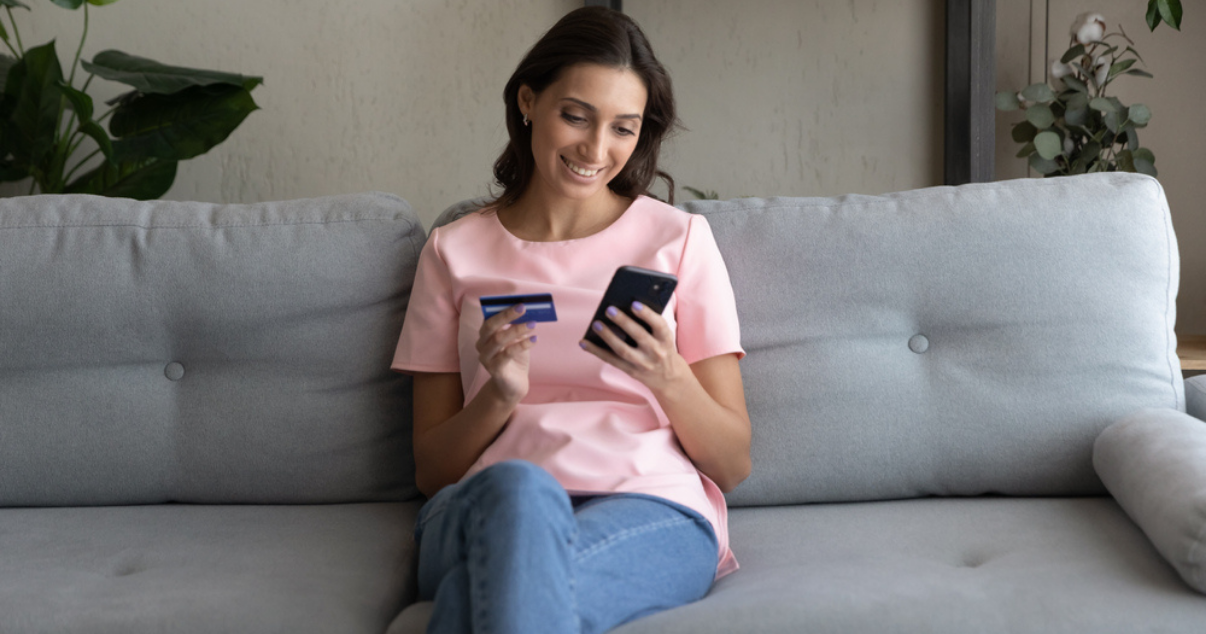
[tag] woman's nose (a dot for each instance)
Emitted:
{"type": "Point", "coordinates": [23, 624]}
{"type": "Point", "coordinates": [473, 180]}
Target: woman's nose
{"type": "Point", "coordinates": [594, 148]}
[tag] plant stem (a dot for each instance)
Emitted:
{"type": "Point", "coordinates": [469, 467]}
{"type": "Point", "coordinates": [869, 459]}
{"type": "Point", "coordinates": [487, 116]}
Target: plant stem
{"type": "Point", "coordinates": [67, 178]}
{"type": "Point", "coordinates": [16, 33]}
{"type": "Point", "coordinates": [6, 42]}
{"type": "Point", "coordinates": [80, 50]}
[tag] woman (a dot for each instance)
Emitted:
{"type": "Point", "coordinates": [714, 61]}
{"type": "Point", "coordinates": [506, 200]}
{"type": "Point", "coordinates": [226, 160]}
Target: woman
{"type": "Point", "coordinates": [571, 488]}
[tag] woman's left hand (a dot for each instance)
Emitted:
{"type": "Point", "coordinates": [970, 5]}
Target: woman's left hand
{"type": "Point", "coordinates": [654, 360]}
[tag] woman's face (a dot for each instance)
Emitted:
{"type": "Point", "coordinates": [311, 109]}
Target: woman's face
{"type": "Point", "coordinates": [585, 126]}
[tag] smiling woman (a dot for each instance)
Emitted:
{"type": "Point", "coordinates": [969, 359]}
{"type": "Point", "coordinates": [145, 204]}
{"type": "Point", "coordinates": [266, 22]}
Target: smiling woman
{"type": "Point", "coordinates": [574, 487]}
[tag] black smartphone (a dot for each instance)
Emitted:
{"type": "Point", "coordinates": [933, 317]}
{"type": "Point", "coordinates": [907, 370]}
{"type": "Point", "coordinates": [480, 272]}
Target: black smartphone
{"type": "Point", "coordinates": [631, 284]}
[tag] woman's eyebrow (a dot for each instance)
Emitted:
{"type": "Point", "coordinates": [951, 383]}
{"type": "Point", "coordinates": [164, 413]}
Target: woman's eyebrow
{"type": "Point", "coordinates": [592, 108]}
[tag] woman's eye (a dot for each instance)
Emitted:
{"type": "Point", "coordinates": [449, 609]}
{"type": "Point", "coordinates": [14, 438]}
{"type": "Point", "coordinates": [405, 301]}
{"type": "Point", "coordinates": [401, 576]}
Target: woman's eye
{"type": "Point", "coordinates": [624, 132]}
{"type": "Point", "coordinates": [571, 118]}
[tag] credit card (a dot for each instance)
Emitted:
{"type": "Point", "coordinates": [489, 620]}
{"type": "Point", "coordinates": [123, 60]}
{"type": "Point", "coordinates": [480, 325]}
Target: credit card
{"type": "Point", "coordinates": [536, 307]}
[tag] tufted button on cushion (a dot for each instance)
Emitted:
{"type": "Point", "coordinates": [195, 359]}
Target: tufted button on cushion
{"type": "Point", "coordinates": [919, 344]}
{"type": "Point", "coordinates": [174, 371]}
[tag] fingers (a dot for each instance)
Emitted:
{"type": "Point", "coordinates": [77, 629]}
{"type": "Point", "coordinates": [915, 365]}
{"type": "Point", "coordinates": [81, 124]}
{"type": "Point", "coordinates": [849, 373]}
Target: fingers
{"type": "Point", "coordinates": [648, 348]}
{"type": "Point", "coordinates": [498, 335]}
{"type": "Point", "coordinates": [659, 330]}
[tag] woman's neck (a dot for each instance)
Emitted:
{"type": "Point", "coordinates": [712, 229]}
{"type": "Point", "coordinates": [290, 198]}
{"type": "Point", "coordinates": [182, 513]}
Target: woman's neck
{"type": "Point", "coordinates": [537, 218]}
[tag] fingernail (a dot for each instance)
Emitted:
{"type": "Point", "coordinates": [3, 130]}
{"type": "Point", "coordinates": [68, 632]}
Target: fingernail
{"type": "Point", "coordinates": [611, 311]}
{"type": "Point", "coordinates": [532, 338]}
{"type": "Point", "coordinates": [582, 344]}
{"type": "Point", "coordinates": [597, 326]}
{"type": "Point", "coordinates": [638, 307]}
{"type": "Point", "coordinates": [530, 324]}
{"type": "Point", "coordinates": [520, 308]}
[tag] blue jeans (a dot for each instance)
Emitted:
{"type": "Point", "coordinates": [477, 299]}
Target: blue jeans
{"type": "Point", "coordinates": [507, 550]}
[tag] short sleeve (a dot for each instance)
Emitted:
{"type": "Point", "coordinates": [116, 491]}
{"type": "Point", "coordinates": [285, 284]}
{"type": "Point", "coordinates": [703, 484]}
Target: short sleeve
{"type": "Point", "coordinates": [707, 310]}
{"type": "Point", "coordinates": [429, 332]}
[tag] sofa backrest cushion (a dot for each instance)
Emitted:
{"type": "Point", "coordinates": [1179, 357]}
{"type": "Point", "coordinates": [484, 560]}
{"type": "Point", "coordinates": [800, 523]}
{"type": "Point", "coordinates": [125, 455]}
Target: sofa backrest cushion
{"type": "Point", "coordinates": [190, 352]}
{"type": "Point", "coordinates": [949, 341]}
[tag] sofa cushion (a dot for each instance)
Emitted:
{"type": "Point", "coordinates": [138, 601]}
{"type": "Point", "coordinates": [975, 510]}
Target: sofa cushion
{"type": "Point", "coordinates": [183, 568]}
{"type": "Point", "coordinates": [949, 341]}
{"type": "Point", "coordinates": [1154, 464]}
{"type": "Point", "coordinates": [167, 351]}
{"type": "Point", "coordinates": [940, 566]}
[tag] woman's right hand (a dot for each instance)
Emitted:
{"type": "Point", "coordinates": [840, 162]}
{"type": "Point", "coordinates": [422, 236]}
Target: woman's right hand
{"type": "Point", "coordinates": [502, 348]}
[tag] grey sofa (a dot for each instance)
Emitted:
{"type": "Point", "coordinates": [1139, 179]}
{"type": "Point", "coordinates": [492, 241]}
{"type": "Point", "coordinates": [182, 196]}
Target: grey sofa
{"type": "Point", "coordinates": [968, 416]}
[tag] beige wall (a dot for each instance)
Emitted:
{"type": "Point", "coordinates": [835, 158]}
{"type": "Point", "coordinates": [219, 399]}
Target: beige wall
{"type": "Point", "coordinates": [802, 97]}
{"type": "Point", "coordinates": [781, 96]}
{"type": "Point", "coordinates": [1027, 42]}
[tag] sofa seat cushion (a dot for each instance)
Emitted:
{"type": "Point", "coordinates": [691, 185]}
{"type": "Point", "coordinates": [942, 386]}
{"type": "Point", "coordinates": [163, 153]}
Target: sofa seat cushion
{"type": "Point", "coordinates": [941, 565]}
{"type": "Point", "coordinates": [205, 569]}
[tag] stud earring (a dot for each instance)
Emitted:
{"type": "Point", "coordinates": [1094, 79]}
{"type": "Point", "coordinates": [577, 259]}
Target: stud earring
{"type": "Point", "coordinates": [525, 120]}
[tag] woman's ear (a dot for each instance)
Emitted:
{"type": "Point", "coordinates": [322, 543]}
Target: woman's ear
{"type": "Point", "coordinates": [527, 100]}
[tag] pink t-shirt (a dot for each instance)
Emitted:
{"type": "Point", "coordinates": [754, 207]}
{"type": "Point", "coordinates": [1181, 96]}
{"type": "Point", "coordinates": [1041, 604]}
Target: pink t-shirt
{"type": "Point", "coordinates": [594, 428]}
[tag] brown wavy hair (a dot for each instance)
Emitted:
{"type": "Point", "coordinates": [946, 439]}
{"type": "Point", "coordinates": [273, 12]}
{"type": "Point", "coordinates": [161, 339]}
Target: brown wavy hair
{"type": "Point", "coordinates": [590, 35]}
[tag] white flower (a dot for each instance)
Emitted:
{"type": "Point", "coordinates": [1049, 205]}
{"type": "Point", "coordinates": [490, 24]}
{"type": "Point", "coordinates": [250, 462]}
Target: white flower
{"type": "Point", "coordinates": [1088, 28]}
{"type": "Point", "coordinates": [1101, 69]}
{"type": "Point", "coordinates": [1059, 70]}
{"type": "Point", "coordinates": [1068, 146]}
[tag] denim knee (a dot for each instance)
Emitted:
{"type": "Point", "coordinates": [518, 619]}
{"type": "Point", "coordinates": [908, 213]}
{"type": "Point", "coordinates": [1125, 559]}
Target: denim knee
{"type": "Point", "coordinates": [514, 480]}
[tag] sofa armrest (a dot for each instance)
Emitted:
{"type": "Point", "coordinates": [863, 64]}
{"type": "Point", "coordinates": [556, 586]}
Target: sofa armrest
{"type": "Point", "coordinates": [1195, 396]}
{"type": "Point", "coordinates": [1154, 464]}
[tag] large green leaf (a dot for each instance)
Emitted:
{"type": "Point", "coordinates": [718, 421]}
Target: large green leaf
{"type": "Point", "coordinates": [141, 180]}
{"type": "Point", "coordinates": [33, 93]}
{"type": "Point", "coordinates": [179, 126]}
{"type": "Point", "coordinates": [149, 76]}
{"type": "Point", "coordinates": [1170, 12]}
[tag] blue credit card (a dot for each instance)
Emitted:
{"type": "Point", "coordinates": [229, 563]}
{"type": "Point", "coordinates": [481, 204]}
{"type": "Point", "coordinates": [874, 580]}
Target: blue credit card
{"type": "Point", "coordinates": [537, 307]}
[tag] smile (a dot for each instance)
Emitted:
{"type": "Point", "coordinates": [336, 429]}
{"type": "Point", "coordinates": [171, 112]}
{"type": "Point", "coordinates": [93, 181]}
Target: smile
{"type": "Point", "coordinates": [580, 171]}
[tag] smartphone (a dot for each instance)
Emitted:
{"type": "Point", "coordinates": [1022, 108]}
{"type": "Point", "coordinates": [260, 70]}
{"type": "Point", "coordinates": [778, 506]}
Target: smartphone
{"type": "Point", "coordinates": [632, 284]}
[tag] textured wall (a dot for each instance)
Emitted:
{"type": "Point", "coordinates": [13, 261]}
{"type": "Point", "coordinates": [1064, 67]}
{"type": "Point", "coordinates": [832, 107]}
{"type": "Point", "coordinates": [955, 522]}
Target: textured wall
{"type": "Point", "coordinates": [1175, 134]}
{"type": "Point", "coordinates": [781, 96]}
{"type": "Point", "coordinates": [803, 98]}
{"type": "Point", "coordinates": [403, 97]}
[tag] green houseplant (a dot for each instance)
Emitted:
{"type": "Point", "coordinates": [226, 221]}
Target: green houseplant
{"type": "Point", "coordinates": [1072, 125]}
{"type": "Point", "coordinates": [172, 114]}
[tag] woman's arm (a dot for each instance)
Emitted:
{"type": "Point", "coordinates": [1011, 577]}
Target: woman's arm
{"type": "Point", "coordinates": [449, 434]}
{"type": "Point", "coordinates": [705, 401]}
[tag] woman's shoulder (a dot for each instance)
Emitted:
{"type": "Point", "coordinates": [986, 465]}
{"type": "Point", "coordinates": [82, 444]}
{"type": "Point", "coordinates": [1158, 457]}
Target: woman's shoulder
{"type": "Point", "coordinates": [657, 212]}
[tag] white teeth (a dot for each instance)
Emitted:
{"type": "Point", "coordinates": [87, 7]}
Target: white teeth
{"type": "Point", "coordinates": [578, 170]}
